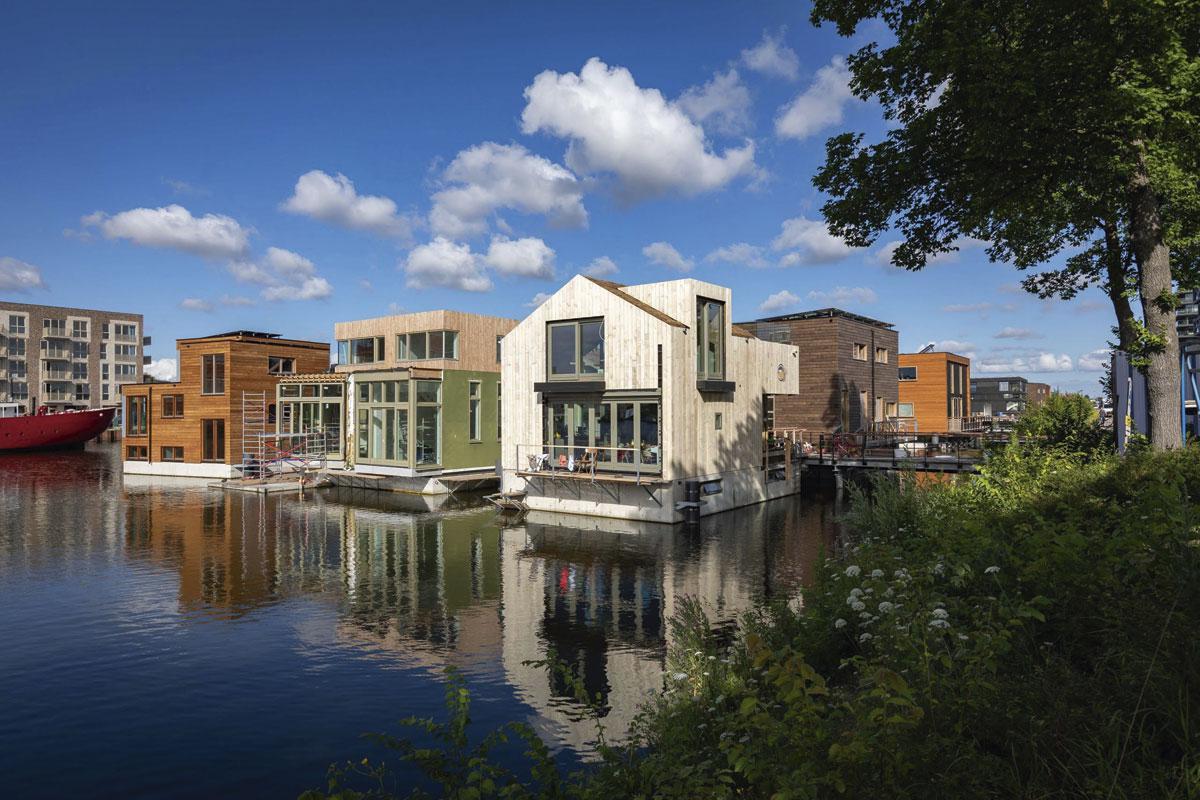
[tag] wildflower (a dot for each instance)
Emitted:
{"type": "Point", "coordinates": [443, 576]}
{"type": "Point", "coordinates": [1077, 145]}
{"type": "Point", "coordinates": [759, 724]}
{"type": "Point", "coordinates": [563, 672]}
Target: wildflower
{"type": "Point", "coordinates": [865, 615]}
{"type": "Point", "coordinates": [876, 573]}
{"type": "Point", "coordinates": [900, 574]}
{"type": "Point", "coordinates": [962, 637]}
{"type": "Point", "coordinates": [886, 608]}
{"type": "Point", "coordinates": [939, 623]}
{"type": "Point", "coordinates": [939, 568]}
{"type": "Point", "coordinates": [852, 571]}
{"type": "Point", "coordinates": [992, 570]}
{"type": "Point", "coordinates": [839, 623]}
{"type": "Point", "coordinates": [940, 613]}
{"type": "Point", "coordinates": [856, 592]}
{"type": "Point", "coordinates": [865, 637]}
{"type": "Point", "coordinates": [858, 605]}
{"type": "Point", "coordinates": [679, 676]}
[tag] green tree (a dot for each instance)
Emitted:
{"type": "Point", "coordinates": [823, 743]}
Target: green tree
{"type": "Point", "coordinates": [1063, 128]}
{"type": "Point", "coordinates": [1067, 422]}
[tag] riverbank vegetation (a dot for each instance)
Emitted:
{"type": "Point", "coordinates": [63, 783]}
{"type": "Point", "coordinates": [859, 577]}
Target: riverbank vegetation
{"type": "Point", "coordinates": [1030, 632]}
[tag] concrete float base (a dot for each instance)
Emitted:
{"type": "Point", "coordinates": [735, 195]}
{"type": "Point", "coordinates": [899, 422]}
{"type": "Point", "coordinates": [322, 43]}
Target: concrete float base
{"type": "Point", "coordinates": [442, 483]}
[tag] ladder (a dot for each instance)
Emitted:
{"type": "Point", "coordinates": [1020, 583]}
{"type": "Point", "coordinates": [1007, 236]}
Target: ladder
{"type": "Point", "coordinates": [254, 425]}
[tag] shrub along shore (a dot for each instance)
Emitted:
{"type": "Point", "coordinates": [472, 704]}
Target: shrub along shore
{"type": "Point", "coordinates": [1029, 632]}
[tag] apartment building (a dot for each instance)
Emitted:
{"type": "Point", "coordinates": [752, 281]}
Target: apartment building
{"type": "Point", "coordinates": [193, 427]}
{"type": "Point", "coordinates": [1006, 397]}
{"type": "Point", "coordinates": [935, 392]}
{"type": "Point", "coordinates": [68, 357]}
{"type": "Point", "coordinates": [847, 370]}
{"type": "Point", "coordinates": [423, 395]}
{"type": "Point", "coordinates": [622, 396]}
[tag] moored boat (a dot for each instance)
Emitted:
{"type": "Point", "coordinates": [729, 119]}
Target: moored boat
{"type": "Point", "coordinates": [53, 430]}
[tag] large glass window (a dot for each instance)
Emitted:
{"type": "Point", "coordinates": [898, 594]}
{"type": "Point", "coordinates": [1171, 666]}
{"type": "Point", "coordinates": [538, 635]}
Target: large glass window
{"type": "Point", "coordinates": [575, 349]}
{"type": "Point", "coordinates": [212, 374]}
{"type": "Point", "coordinates": [367, 350]}
{"type": "Point", "coordinates": [617, 434]}
{"type": "Point", "coordinates": [135, 416]}
{"type": "Point", "coordinates": [428, 439]}
{"type": "Point", "coordinates": [312, 408]}
{"type": "Point", "coordinates": [710, 339]}
{"type": "Point", "coordinates": [383, 420]}
{"type": "Point", "coordinates": [280, 365]}
{"type": "Point", "coordinates": [908, 373]}
{"type": "Point", "coordinates": [475, 425]}
{"type": "Point", "coordinates": [213, 436]}
{"type": "Point", "coordinates": [427, 345]}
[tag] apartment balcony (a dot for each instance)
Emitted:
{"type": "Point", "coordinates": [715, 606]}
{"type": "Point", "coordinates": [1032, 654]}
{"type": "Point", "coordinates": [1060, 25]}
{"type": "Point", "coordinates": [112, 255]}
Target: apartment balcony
{"type": "Point", "coordinates": [49, 396]}
{"type": "Point", "coordinates": [50, 374]}
{"type": "Point", "coordinates": [126, 359]}
{"type": "Point", "coordinates": [56, 355]}
{"type": "Point", "coordinates": [146, 341]}
{"type": "Point", "coordinates": [55, 333]}
{"type": "Point", "coordinates": [124, 339]}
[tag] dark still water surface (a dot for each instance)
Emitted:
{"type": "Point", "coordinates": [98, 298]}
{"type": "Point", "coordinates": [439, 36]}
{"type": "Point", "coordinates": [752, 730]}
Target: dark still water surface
{"type": "Point", "coordinates": [160, 639]}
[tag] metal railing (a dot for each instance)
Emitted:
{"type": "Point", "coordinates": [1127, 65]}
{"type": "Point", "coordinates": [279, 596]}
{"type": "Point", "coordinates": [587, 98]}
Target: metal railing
{"type": "Point", "coordinates": [903, 449]}
{"type": "Point", "coordinates": [584, 460]}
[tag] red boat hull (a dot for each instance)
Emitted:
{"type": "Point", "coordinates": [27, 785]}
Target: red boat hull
{"type": "Point", "coordinates": [53, 431]}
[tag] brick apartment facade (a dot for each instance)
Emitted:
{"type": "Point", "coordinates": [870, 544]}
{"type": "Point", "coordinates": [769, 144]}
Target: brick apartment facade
{"type": "Point", "coordinates": [68, 357]}
{"type": "Point", "coordinates": [848, 378]}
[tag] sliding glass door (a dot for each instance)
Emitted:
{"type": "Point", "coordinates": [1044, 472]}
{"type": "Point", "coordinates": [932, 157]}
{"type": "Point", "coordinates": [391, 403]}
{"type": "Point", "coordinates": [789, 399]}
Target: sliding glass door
{"type": "Point", "coordinates": [624, 434]}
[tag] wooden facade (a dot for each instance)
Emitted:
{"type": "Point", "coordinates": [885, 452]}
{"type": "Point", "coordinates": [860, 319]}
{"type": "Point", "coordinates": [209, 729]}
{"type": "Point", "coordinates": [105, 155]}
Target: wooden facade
{"type": "Point", "coordinates": [936, 389]}
{"type": "Point", "coordinates": [161, 440]}
{"type": "Point", "coordinates": [653, 405]}
{"type": "Point", "coordinates": [424, 395]}
{"type": "Point", "coordinates": [847, 370]}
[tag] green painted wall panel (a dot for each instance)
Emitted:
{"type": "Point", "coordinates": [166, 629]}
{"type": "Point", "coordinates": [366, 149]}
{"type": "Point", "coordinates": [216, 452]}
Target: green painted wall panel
{"type": "Point", "coordinates": [458, 452]}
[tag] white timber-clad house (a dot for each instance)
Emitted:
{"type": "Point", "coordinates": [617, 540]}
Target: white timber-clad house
{"type": "Point", "coordinates": [622, 396]}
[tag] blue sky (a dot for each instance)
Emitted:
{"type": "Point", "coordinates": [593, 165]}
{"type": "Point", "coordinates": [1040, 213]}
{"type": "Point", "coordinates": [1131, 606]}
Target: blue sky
{"type": "Point", "coordinates": [281, 166]}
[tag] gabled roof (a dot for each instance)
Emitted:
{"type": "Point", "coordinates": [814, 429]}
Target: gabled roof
{"type": "Point", "coordinates": [616, 288]}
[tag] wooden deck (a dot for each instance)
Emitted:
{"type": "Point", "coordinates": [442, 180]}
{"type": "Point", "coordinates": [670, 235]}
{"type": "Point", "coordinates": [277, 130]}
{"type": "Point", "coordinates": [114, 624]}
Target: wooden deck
{"type": "Point", "coordinates": [594, 477]}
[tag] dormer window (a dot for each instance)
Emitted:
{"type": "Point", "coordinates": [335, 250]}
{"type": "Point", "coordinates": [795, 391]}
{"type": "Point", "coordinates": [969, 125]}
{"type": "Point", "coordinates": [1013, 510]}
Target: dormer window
{"type": "Point", "coordinates": [575, 350]}
{"type": "Point", "coordinates": [710, 340]}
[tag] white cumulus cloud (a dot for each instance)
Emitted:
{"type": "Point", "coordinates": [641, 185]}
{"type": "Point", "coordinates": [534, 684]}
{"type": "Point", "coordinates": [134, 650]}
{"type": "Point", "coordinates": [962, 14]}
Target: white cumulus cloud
{"type": "Point", "coordinates": [442, 262]}
{"type": "Point", "coordinates": [780, 301]}
{"type": "Point", "coordinates": [810, 242]}
{"type": "Point", "coordinates": [749, 255]}
{"type": "Point", "coordinates": [601, 267]}
{"type": "Point", "coordinates": [19, 276]}
{"type": "Point", "coordinates": [284, 275]}
{"type": "Point", "coordinates": [665, 255]}
{"type": "Point", "coordinates": [1039, 362]}
{"type": "Point", "coordinates": [616, 127]}
{"type": "Point", "coordinates": [530, 257]}
{"type": "Point", "coordinates": [173, 226]}
{"type": "Point", "coordinates": [1097, 359]}
{"type": "Point", "coordinates": [214, 235]}
{"type": "Point", "coordinates": [772, 57]}
{"type": "Point", "coordinates": [723, 101]}
{"type": "Point", "coordinates": [884, 254]}
{"type": "Point", "coordinates": [845, 295]}
{"type": "Point", "coordinates": [537, 300]}
{"type": "Point", "coordinates": [489, 176]}
{"type": "Point", "coordinates": [820, 105]}
{"type": "Point", "coordinates": [163, 369]}
{"type": "Point", "coordinates": [195, 304]}
{"type": "Point", "coordinates": [1018, 333]}
{"type": "Point", "coordinates": [333, 199]}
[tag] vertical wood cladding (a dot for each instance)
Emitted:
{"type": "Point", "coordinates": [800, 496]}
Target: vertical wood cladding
{"type": "Point", "coordinates": [932, 393]}
{"type": "Point", "coordinates": [246, 359]}
{"type": "Point", "coordinates": [832, 380]}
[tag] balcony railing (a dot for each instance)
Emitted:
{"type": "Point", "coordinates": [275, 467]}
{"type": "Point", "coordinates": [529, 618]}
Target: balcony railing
{"type": "Point", "coordinates": [583, 461]}
{"type": "Point", "coordinates": [54, 333]}
{"type": "Point", "coordinates": [123, 338]}
{"type": "Point", "coordinates": [56, 353]}
{"type": "Point", "coordinates": [50, 394]}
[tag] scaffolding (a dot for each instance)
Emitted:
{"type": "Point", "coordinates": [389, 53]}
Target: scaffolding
{"type": "Point", "coordinates": [272, 453]}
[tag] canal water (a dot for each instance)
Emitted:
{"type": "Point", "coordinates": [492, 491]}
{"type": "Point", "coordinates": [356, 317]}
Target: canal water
{"type": "Point", "coordinates": [158, 638]}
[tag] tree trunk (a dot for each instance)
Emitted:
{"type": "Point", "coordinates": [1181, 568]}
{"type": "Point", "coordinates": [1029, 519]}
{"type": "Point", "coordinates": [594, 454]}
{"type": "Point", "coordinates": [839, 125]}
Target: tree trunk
{"type": "Point", "coordinates": [1116, 284]}
{"type": "Point", "coordinates": [1158, 308]}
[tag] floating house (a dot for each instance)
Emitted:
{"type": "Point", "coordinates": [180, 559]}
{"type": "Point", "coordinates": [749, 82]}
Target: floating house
{"type": "Point", "coordinates": [628, 400]}
{"type": "Point", "coordinates": [847, 370]}
{"type": "Point", "coordinates": [935, 392]}
{"type": "Point", "coordinates": [422, 397]}
{"type": "Point", "coordinates": [1006, 397]}
{"type": "Point", "coordinates": [215, 416]}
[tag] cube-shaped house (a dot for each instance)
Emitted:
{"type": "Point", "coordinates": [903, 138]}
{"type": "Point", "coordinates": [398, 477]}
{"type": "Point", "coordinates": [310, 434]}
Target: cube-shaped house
{"type": "Point", "coordinates": [214, 418]}
{"type": "Point", "coordinates": [423, 397]}
{"type": "Point", "coordinates": [625, 401]}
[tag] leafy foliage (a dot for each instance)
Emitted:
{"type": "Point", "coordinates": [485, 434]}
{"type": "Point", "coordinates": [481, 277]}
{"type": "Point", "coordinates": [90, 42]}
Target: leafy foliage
{"type": "Point", "coordinates": [1068, 423]}
{"type": "Point", "coordinates": [1027, 633]}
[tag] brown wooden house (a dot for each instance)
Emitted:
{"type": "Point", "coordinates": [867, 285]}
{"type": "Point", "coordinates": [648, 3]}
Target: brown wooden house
{"type": "Point", "coordinates": [192, 427]}
{"type": "Point", "coordinates": [935, 392]}
{"type": "Point", "coordinates": [847, 370]}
